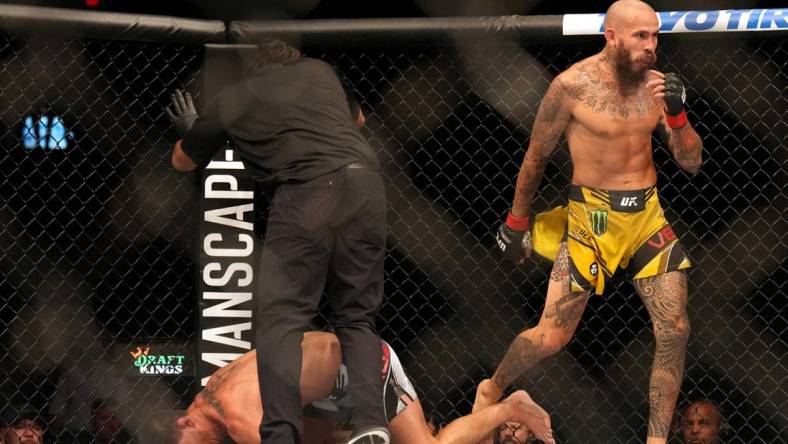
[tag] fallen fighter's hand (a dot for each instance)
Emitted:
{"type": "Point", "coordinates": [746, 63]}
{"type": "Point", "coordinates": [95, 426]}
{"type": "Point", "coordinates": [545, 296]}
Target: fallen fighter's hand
{"type": "Point", "coordinates": [528, 413]}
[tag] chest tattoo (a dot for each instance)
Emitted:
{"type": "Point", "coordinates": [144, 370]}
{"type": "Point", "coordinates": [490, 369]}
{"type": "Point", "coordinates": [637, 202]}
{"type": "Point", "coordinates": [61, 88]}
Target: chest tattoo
{"type": "Point", "coordinates": [603, 96]}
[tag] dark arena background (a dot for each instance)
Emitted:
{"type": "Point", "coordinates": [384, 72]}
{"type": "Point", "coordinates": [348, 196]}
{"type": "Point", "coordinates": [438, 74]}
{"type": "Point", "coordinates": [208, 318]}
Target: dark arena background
{"type": "Point", "coordinates": [104, 293]}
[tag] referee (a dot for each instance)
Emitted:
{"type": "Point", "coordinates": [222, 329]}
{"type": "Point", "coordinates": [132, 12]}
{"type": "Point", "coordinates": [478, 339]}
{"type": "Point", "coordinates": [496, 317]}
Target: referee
{"type": "Point", "coordinates": [297, 128]}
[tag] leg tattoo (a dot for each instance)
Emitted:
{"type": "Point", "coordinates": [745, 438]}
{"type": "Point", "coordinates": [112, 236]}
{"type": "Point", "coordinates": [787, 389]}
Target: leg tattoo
{"type": "Point", "coordinates": [522, 355]}
{"type": "Point", "coordinates": [665, 298]}
{"type": "Point", "coordinates": [528, 348]}
{"type": "Point", "coordinates": [568, 310]}
{"type": "Point", "coordinates": [661, 401]}
{"type": "Point", "coordinates": [560, 272]}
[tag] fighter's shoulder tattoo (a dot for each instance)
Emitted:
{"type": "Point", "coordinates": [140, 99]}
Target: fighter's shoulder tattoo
{"type": "Point", "coordinates": [600, 94]}
{"type": "Point", "coordinates": [569, 87]}
{"type": "Point", "coordinates": [211, 389]}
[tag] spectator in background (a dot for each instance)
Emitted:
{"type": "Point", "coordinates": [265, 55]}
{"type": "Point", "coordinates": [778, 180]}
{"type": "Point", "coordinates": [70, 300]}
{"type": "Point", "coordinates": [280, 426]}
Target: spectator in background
{"type": "Point", "coordinates": [22, 425]}
{"type": "Point", "coordinates": [701, 423]}
{"type": "Point", "coordinates": [70, 405]}
{"type": "Point", "coordinates": [108, 429]}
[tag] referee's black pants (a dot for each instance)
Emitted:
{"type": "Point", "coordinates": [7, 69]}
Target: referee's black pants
{"type": "Point", "coordinates": [329, 232]}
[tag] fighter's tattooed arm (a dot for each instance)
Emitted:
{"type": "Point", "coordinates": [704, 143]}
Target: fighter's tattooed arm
{"type": "Point", "coordinates": [665, 298]}
{"type": "Point", "coordinates": [552, 117]}
{"type": "Point", "coordinates": [685, 144]}
{"type": "Point", "coordinates": [211, 389]}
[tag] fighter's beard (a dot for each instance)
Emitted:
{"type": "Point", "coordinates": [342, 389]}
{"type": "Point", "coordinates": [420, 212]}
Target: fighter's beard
{"type": "Point", "coordinates": [628, 79]}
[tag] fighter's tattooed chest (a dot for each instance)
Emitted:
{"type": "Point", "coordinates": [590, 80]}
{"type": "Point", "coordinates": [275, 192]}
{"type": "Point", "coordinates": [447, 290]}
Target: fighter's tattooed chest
{"type": "Point", "coordinates": [603, 96]}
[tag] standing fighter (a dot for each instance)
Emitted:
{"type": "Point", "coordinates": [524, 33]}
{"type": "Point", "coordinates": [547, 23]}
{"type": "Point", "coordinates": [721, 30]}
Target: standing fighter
{"type": "Point", "coordinates": [608, 105]}
{"type": "Point", "coordinates": [229, 406]}
{"type": "Point", "coordinates": [297, 128]}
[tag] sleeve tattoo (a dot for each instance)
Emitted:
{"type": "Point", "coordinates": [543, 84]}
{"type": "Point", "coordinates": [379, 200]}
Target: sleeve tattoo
{"type": "Point", "coordinates": [210, 390]}
{"type": "Point", "coordinates": [549, 125]}
{"type": "Point", "coordinates": [685, 145]}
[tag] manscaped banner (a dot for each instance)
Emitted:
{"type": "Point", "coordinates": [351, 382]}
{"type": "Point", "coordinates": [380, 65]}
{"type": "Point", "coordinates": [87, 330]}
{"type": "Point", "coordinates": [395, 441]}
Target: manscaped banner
{"type": "Point", "coordinates": [227, 252]}
{"type": "Point", "coordinates": [228, 245]}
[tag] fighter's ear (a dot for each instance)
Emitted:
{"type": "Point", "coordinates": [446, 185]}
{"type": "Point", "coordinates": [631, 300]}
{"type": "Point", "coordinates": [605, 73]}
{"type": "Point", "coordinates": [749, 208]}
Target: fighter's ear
{"type": "Point", "coordinates": [610, 36]}
{"type": "Point", "coordinates": [184, 422]}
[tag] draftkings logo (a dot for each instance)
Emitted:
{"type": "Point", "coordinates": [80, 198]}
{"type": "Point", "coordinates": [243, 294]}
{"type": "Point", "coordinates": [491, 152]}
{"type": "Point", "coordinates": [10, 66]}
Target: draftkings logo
{"type": "Point", "coordinates": [149, 364]}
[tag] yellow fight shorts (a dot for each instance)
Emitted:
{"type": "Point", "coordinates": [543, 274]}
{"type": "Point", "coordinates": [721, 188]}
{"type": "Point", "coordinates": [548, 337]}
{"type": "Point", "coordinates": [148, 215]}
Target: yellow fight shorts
{"type": "Point", "coordinates": [605, 230]}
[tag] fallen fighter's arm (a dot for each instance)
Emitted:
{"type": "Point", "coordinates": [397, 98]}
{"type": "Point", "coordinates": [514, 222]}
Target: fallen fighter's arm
{"type": "Point", "coordinates": [410, 427]}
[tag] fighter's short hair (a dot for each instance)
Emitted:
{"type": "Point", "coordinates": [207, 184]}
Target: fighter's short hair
{"type": "Point", "coordinates": [272, 50]}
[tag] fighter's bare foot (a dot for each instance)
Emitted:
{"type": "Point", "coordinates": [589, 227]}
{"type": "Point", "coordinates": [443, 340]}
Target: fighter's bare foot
{"type": "Point", "coordinates": [487, 394]}
{"type": "Point", "coordinates": [528, 413]}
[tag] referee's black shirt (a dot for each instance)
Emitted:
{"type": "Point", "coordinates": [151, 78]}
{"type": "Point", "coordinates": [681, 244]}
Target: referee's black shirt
{"type": "Point", "coordinates": [290, 122]}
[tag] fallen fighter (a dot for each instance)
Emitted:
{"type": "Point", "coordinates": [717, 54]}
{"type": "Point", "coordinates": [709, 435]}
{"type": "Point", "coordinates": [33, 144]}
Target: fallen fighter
{"type": "Point", "coordinates": [229, 405]}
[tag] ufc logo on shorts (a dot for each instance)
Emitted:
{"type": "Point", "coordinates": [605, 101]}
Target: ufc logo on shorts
{"type": "Point", "coordinates": [629, 201]}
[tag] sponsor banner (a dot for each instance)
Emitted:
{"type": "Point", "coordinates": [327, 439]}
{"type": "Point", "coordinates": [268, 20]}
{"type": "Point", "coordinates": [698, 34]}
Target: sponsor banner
{"type": "Point", "coordinates": [228, 245]}
{"type": "Point", "coordinates": [730, 20]}
{"type": "Point", "coordinates": [226, 270]}
{"type": "Point", "coordinates": [154, 357]}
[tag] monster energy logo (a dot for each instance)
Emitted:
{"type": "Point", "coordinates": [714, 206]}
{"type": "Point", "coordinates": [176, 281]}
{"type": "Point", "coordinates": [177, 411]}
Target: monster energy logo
{"type": "Point", "coordinates": [599, 222]}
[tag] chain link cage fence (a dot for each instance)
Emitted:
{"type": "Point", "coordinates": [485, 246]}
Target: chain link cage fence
{"type": "Point", "coordinates": [98, 233]}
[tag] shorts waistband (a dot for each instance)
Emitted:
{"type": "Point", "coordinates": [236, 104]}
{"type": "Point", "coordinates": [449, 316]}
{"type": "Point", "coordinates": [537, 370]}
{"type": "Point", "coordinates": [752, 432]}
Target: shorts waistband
{"type": "Point", "coordinates": [628, 201]}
